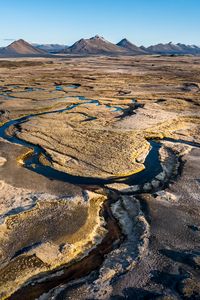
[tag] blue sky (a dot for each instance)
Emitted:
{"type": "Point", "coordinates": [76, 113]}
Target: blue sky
{"type": "Point", "coordinates": [143, 22]}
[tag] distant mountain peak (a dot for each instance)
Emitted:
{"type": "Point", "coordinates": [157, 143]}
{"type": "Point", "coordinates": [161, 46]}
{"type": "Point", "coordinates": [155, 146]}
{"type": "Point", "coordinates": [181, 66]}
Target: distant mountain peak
{"type": "Point", "coordinates": [21, 47]}
{"type": "Point", "coordinates": [94, 45]}
{"type": "Point", "coordinates": [125, 40]}
{"type": "Point", "coordinates": [20, 41]}
{"type": "Point", "coordinates": [98, 37]}
{"type": "Point", "coordinates": [126, 44]}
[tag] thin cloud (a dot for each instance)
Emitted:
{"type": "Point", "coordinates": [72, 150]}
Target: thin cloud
{"type": "Point", "coordinates": [8, 39]}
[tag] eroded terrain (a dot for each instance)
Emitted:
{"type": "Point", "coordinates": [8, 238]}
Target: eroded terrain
{"type": "Point", "coordinates": [99, 178]}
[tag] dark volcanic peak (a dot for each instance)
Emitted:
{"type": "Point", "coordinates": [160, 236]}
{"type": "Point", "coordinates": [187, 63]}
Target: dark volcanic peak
{"type": "Point", "coordinates": [126, 44]}
{"type": "Point", "coordinates": [94, 45]}
{"type": "Point", "coordinates": [21, 47]}
{"type": "Point", "coordinates": [98, 37]}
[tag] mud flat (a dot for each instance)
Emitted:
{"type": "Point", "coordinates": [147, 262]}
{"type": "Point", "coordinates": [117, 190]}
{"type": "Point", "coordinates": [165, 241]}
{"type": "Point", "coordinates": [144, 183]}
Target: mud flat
{"type": "Point", "coordinates": [126, 224]}
{"type": "Point", "coordinates": [171, 267]}
{"type": "Point", "coordinates": [168, 264]}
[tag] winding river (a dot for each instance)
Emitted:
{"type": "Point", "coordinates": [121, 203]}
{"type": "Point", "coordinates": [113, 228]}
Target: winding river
{"type": "Point", "coordinates": [95, 258]}
{"type": "Point", "coordinates": [152, 163]}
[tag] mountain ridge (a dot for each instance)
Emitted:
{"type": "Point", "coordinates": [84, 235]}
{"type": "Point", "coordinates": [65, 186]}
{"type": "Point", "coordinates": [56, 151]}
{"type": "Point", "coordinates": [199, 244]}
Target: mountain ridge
{"type": "Point", "coordinates": [50, 48]}
{"type": "Point", "coordinates": [21, 47]}
{"type": "Point", "coordinates": [170, 48]}
{"type": "Point", "coordinates": [94, 45]}
{"type": "Point", "coordinates": [97, 45]}
{"type": "Point", "coordinates": [126, 44]}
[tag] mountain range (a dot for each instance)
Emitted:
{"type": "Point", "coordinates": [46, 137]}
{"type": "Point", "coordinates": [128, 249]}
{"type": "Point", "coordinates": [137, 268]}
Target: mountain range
{"type": "Point", "coordinates": [50, 48]}
{"type": "Point", "coordinates": [96, 45]}
{"type": "Point", "coordinates": [128, 46]}
{"type": "Point", "coordinates": [171, 48]}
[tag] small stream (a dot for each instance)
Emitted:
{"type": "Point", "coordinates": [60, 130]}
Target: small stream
{"type": "Point", "coordinates": [7, 94]}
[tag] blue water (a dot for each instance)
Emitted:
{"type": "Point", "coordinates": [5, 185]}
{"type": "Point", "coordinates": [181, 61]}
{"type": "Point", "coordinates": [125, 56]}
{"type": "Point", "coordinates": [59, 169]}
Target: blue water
{"type": "Point", "coordinates": [152, 163]}
{"type": "Point", "coordinates": [8, 95]}
{"type": "Point", "coordinates": [72, 86]}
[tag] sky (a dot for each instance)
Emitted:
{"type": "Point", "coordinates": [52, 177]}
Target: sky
{"type": "Point", "coordinates": [143, 22]}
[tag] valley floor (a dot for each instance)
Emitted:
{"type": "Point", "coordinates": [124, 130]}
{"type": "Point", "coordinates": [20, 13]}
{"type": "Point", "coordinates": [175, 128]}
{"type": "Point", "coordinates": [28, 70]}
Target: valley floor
{"type": "Point", "coordinates": [99, 178]}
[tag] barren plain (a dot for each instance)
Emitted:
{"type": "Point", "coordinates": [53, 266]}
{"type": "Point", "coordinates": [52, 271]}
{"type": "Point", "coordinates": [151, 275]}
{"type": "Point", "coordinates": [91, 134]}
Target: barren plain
{"type": "Point", "coordinates": [99, 178]}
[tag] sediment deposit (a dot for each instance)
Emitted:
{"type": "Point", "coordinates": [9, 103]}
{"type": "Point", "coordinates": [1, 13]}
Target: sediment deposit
{"type": "Point", "coordinates": [99, 187]}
